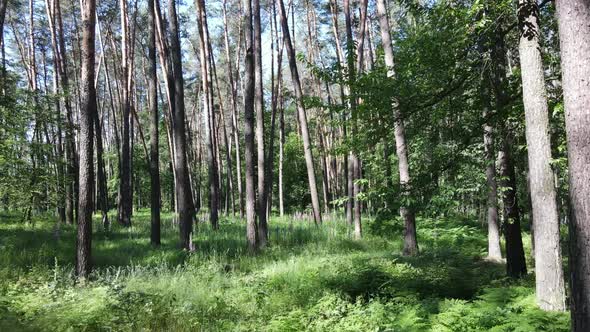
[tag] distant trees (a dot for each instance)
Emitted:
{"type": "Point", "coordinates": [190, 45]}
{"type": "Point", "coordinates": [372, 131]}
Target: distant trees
{"type": "Point", "coordinates": [447, 94]}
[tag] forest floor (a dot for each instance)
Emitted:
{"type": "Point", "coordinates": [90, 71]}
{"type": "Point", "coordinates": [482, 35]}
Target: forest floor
{"type": "Point", "coordinates": [309, 278]}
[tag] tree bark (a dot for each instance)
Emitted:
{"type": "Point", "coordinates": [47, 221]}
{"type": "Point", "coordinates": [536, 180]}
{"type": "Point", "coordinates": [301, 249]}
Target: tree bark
{"type": "Point", "coordinates": [155, 192]}
{"type": "Point", "coordinates": [515, 260]}
{"type": "Point", "coordinates": [249, 78]}
{"type": "Point", "coordinates": [494, 250]}
{"type": "Point", "coordinates": [550, 289]}
{"type": "Point", "coordinates": [184, 197]}
{"type": "Point", "coordinates": [574, 34]}
{"type": "Point", "coordinates": [259, 108]}
{"type": "Point", "coordinates": [125, 190]}
{"type": "Point", "coordinates": [406, 211]}
{"type": "Point", "coordinates": [209, 113]}
{"type": "Point", "coordinates": [302, 117]}
{"type": "Point", "coordinates": [87, 110]}
{"type": "Point", "coordinates": [234, 105]}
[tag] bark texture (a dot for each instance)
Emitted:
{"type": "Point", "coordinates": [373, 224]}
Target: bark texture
{"type": "Point", "coordinates": [574, 34]}
{"type": "Point", "coordinates": [251, 225]}
{"type": "Point", "coordinates": [87, 110]}
{"type": "Point", "coordinates": [515, 260]}
{"type": "Point", "coordinates": [550, 290]}
{"type": "Point", "coordinates": [155, 192]}
{"type": "Point", "coordinates": [184, 196]}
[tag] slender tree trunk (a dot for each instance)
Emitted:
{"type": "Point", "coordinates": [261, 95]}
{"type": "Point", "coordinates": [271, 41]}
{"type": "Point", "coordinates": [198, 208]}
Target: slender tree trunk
{"type": "Point", "coordinates": [550, 289]}
{"type": "Point", "coordinates": [349, 161]}
{"type": "Point", "coordinates": [494, 250]}
{"type": "Point", "coordinates": [302, 117]}
{"type": "Point", "coordinates": [155, 192]}
{"type": "Point", "coordinates": [515, 260]}
{"type": "Point", "coordinates": [209, 113]}
{"type": "Point", "coordinates": [125, 199]}
{"type": "Point", "coordinates": [103, 200]}
{"type": "Point", "coordinates": [574, 35]}
{"type": "Point", "coordinates": [281, 155]}
{"type": "Point", "coordinates": [183, 191]}
{"type": "Point", "coordinates": [249, 78]}
{"type": "Point", "coordinates": [234, 105]}
{"type": "Point", "coordinates": [87, 108]}
{"type": "Point", "coordinates": [406, 212]}
{"type": "Point", "coordinates": [275, 88]}
{"type": "Point", "coordinates": [259, 107]}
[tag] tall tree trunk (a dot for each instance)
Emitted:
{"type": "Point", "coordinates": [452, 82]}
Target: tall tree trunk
{"type": "Point", "coordinates": [125, 198]}
{"type": "Point", "coordinates": [494, 250]}
{"type": "Point", "coordinates": [209, 113]}
{"type": "Point", "coordinates": [276, 88]}
{"type": "Point", "coordinates": [574, 35]}
{"type": "Point", "coordinates": [281, 155]}
{"type": "Point", "coordinates": [249, 78]}
{"type": "Point", "coordinates": [155, 192]}
{"type": "Point", "coordinates": [348, 164]}
{"type": "Point", "coordinates": [87, 108]}
{"type": "Point", "coordinates": [183, 191]}
{"type": "Point", "coordinates": [406, 212]}
{"type": "Point", "coordinates": [550, 289]}
{"type": "Point", "coordinates": [515, 260]}
{"type": "Point", "coordinates": [259, 107]}
{"type": "Point", "coordinates": [234, 105]}
{"type": "Point", "coordinates": [103, 200]}
{"type": "Point", "coordinates": [302, 117]}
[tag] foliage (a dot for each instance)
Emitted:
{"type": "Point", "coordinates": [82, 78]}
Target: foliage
{"type": "Point", "coordinates": [314, 279]}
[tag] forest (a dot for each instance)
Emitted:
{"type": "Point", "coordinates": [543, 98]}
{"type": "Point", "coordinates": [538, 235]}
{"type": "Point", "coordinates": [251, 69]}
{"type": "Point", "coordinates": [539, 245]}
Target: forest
{"type": "Point", "coordinates": [295, 165]}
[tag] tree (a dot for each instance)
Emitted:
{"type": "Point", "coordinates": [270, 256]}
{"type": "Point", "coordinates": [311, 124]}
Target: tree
{"type": "Point", "coordinates": [406, 212]}
{"type": "Point", "coordinates": [301, 116]}
{"type": "Point", "coordinates": [155, 200]}
{"type": "Point", "coordinates": [494, 250]}
{"type": "Point", "coordinates": [205, 56]}
{"type": "Point", "coordinates": [550, 291]}
{"type": "Point", "coordinates": [249, 80]}
{"type": "Point", "coordinates": [259, 108]}
{"type": "Point", "coordinates": [184, 195]}
{"type": "Point", "coordinates": [125, 191]}
{"type": "Point", "coordinates": [87, 110]}
{"type": "Point", "coordinates": [574, 34]}
{"type": "Point", "coordinates": [515, 260]}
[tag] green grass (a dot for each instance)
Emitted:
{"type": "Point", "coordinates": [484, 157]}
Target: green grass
{"type": "Point", "coordinates": [309, 278]}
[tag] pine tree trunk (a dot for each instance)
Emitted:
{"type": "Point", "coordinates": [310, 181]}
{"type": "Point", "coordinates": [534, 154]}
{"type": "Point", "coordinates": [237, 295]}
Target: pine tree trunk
{"type": "Point", "coordinates": [125, 199]}
{"type": "Point", "coordinates": [249, 81]}
{"type": "Point", "coordinates": [234, 108]}
{"type": "Point", "coordinates": [87, 110]}
{"type": "Point", "coordinates": [302, 117]}
{"type": "Point", "coordinates": [208, 111]}
{"type": "Point", "coordinates": [550, 289]}
{"type": "Point", "coordinates": [155, 192]}
{"type": "Point", "coordinates": [184, 197]}
{"type": "Point", "coordinates": [259, 108]}
{"type": "Point", "coordinates": [574, 34]}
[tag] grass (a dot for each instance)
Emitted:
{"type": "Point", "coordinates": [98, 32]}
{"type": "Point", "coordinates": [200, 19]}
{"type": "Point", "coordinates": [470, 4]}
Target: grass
{"type": "Point", "coordinates": [309, 278]}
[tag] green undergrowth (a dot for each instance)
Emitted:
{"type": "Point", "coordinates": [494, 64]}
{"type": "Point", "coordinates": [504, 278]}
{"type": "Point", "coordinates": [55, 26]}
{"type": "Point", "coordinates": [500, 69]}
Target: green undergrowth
{"type": "Point", "coordinates": [308, 278]}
